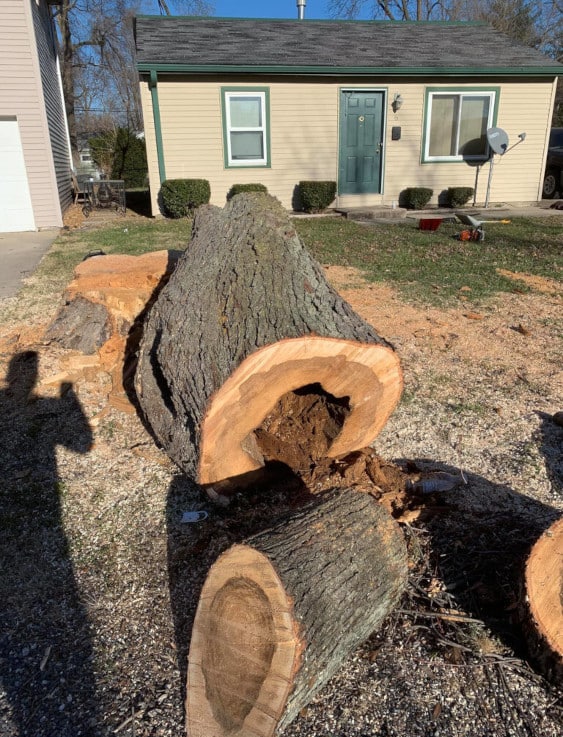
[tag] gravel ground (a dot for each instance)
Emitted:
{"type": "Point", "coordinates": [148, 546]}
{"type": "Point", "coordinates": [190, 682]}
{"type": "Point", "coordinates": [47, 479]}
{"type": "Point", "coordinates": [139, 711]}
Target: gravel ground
{"type": "Point", "coordinates": [99, 578]}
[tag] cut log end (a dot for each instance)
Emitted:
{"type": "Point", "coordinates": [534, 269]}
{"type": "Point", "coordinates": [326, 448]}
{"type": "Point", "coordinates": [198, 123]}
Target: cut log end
{"type": "Point", "coordinates": [354, 388]}
{"type": "Point", "coordinates": [544, 595]}
{"type": "Point", "coordinates": [244, 650]}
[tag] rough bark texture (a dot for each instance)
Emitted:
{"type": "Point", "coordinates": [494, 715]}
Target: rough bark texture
{"type": "Point", "coordinates": [542, 612]}
{"type": "Point", "coordinates": [245, 282]}
{"type": "Point", "coordinates": [279, 614]}
{"type": "Point", "coordinates": [81, 325]}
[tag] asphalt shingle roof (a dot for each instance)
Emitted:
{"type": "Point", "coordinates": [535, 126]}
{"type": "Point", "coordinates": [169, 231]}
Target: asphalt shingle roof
{"type": "Point", "coordinates": [235, 42]}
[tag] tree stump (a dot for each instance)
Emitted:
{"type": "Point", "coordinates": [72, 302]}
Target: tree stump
{"type": "Point", "coordinates": [279, 613]}
{"type": "Point", "coordinates": [543, 614]}
{"type": "Point", "coordinates": [246, 321]}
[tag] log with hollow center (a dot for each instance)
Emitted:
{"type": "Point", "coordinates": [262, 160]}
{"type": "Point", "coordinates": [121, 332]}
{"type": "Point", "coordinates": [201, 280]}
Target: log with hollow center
{"type": "Point", "coordinates": [279, 613]}
{"type": "Point", "coordinates": [246, 318]}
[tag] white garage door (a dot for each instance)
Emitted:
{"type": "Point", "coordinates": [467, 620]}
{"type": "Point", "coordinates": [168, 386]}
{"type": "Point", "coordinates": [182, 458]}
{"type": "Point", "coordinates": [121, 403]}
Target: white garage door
{"type": "Point", "coordinates": [16, 212]}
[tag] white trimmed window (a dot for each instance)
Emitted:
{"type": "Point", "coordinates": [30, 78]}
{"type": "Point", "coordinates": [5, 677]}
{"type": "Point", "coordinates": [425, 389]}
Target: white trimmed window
{"type": "Point", "coordinates": [245, 116]}
{"type": "Point", "coordinates": [456, 125]}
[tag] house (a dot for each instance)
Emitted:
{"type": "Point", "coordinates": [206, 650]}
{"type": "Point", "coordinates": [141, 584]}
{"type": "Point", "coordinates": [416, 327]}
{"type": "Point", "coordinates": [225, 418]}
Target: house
{"type": "Point", "coordinates": [377, 106]}
{"type": "Point", "coordinates": [35, 184]}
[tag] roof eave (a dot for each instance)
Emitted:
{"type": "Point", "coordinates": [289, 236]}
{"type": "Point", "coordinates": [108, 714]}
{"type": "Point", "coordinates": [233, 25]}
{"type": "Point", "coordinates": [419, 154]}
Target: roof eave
{"type": "Point", "coordinates": [520, 71]}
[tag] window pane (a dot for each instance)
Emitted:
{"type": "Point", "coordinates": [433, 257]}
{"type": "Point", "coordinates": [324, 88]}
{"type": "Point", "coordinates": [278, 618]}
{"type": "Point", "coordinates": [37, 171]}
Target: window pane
{"type": "Point", "coordinates": [247, 146]}
{"type": "Point", "coordinates": [473, 126]}
{"type": "Point", "coordinates": [246, 112]}
{"type": "Point", "coordinates": [443, 125]}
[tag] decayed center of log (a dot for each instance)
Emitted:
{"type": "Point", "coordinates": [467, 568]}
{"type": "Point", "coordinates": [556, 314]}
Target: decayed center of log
{"type": "Point", "coordinates": [244, 648]}
{"type": "Point", "coordinates": [239, 646]}
{"type": "Point", "coordinates": [365, 378]}
{"type": "Point", "coordinates": [302, 427]}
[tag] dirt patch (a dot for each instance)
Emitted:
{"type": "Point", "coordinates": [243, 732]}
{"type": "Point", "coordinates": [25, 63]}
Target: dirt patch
{"type": "Point", "coordinates": [539, 283]}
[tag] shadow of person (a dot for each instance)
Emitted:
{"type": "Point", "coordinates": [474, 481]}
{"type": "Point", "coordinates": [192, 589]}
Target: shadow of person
{"type": "Point", "coordinates": [46, 670]}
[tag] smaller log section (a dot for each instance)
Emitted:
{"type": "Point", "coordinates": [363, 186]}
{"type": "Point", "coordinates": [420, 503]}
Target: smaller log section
{"type": "Point", "coordinates": [543, 611]}
{"type": "Point", "coordinates": [278, 614]}
{"type": "Point", "coordinates": [246, 328]}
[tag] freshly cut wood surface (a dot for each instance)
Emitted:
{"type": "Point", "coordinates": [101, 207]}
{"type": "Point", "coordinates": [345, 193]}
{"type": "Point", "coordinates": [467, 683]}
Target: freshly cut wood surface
{"type": "Point", "coordinates": [246, 317]}
{"type": "Point", "coordinates": [544, 594]}
{"type": "Point", "coordinates": [367, 375]}
{"type": "Point", "coordinates": [279, 613]}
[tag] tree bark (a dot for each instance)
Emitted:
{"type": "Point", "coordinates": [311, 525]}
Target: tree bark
{"type": "Point", "coordinates": [246, 318]}
{"type": "Point", "coordinates": [278, 614]}
{"type": "Point", "coordinates": [542, 613]}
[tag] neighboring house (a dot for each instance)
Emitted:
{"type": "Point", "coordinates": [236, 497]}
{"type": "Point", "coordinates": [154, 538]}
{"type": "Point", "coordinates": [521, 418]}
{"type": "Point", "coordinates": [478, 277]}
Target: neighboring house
{"type": "Point", "coordinates": [35, 183]}
{"type": "Point", "coordinates": [376, 106]}
{"type": "Point", "coordinates": [86, 165]}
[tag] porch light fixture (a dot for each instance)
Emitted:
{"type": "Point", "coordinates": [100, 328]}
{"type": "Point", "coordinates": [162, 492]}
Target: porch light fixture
{"type": "Point", "coordinates": [397, 102]}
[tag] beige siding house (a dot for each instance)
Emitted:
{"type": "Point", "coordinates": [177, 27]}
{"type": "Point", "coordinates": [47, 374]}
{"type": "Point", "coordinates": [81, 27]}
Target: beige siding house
{"type": "Point", "coordinates": [375, 106]}
{"type": "Point", "coordinates": [35, 186]}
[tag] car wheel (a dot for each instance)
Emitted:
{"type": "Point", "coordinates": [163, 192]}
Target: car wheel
{"type": "Point", "coordinates": [551, 183]}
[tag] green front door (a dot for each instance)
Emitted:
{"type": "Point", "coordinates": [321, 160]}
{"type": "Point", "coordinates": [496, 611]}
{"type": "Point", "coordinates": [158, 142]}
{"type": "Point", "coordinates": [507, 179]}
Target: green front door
{"type": "Point", "coordinates": [361, 142]}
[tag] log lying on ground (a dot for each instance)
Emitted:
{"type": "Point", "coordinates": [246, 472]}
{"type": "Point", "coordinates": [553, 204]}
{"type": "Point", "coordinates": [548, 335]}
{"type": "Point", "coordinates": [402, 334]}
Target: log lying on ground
{"type": "Point", "coordinates": [543, 610]}
{"type": "Point", "coordinates": [103, 306]}
{"type": "Point", "coordinates": [278, 614]}
{"type": "Point", "coordinates": [246, 320]}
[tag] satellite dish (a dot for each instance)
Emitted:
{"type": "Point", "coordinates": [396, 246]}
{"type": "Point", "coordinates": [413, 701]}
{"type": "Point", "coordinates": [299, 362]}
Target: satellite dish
{"type": "Point", "coordinates": [498, 140]}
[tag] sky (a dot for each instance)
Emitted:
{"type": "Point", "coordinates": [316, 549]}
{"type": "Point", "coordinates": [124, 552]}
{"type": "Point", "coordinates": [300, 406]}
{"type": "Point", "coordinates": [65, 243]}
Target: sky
{"type": "Point", "coordinates": [270, 9]}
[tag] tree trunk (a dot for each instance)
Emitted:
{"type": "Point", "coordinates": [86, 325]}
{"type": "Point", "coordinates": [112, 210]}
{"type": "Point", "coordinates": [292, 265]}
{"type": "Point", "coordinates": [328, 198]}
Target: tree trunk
{"type": "Point", "coordinates": [278, 614]}
{"type": "Point", "coordinates": [247, 319]}
{"type": "Point", "coordinates": [543, 607]}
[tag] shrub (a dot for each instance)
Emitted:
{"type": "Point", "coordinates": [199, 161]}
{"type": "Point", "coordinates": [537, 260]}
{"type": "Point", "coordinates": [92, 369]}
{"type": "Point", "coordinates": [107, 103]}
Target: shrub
{"type": "Point", "coordinates": [316, 196]}
{"type": "Point", "coordinates": [180, 197]}
{"type": "Point", "coordinates": [458, 196]}
{"type": "Point", "coordinates": [238, 188]}
{"type": "Point", "coordinates": [415, 198]}
{"type": "Point", "coordinates": [119, 154]}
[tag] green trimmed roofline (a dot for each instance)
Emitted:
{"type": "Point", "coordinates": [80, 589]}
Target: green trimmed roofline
{"type": "Point", "coordinates": [547, 71]}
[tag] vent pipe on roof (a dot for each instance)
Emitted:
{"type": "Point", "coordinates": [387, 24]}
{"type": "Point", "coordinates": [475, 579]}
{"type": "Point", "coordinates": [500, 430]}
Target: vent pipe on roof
{"type": "Point", "coordinates": [301, 9]}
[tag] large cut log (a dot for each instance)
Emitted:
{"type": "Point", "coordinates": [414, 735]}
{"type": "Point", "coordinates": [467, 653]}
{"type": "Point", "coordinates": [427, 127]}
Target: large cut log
{"type": "Point", "coordinates": [543, 606]}
{"type": "Point", "coordinates": [278, 614]}
{"type": "Point", "coordinates": [247, 319]}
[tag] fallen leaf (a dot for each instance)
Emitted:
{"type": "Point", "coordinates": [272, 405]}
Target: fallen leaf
{"type": "Point", "coordinates": [473, 315]}
{"type": "Point", "coordinates": [522, 330]}
{"type": "Point", "coordinates": [437, 710]}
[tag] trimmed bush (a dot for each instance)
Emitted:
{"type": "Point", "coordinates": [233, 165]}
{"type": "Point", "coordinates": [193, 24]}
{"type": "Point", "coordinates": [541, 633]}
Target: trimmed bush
{"type": "Point", "coordinates": [119, 154]}
{"type": "Point", "coordinates": [416, 198]}
{"type": "Point", "coordinates": [458, 196]}
{"type": "Point", "coordinates": [316, 196]}
{"type": "Point", "coordinates": [180, 197]}
{"type": "Point", "coordinates": [238, 188]}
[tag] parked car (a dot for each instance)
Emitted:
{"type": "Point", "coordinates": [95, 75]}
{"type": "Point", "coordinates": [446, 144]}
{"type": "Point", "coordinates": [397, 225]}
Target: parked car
{"type": "Point", "coordinates": [552, 186]}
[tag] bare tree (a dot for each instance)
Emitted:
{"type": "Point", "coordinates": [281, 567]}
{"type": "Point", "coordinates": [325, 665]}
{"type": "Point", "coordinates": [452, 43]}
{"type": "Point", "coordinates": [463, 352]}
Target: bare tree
{"type": "Point", "coordinates": [98, 58]}
{"type": "Point", "coordinates": [535, 24]}
{"type": "Point", "coordinates": [389, 9]}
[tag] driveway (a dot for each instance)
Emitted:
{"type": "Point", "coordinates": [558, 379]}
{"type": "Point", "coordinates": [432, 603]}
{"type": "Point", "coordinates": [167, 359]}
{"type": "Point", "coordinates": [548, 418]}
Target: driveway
{"type": "Point", "coordinates": [20, 253]}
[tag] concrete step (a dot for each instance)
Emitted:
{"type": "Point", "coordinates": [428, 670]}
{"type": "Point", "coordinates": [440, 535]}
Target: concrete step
{"type": "Point", "coordinates": [372, 213]}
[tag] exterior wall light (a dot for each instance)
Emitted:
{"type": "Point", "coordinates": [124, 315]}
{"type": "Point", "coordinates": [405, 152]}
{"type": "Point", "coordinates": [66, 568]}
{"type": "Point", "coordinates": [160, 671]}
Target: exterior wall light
{"type": "Point", "coordinates": [397, 102]}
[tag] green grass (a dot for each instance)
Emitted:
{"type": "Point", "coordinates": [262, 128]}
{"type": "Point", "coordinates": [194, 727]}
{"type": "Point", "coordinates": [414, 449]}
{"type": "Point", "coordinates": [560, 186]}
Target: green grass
{"type": "Point", "coordinates": [422, 266]}
{"type": "Point", "coordinates": [433, 266]}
